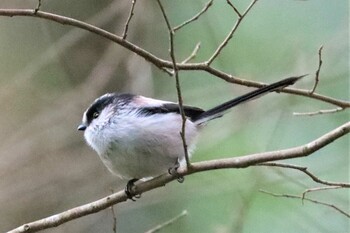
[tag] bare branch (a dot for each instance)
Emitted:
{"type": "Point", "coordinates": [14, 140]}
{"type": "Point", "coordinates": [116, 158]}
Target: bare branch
{"type": "Point", "coordinates": [206, 7]}
{"type": "Point", "coordinates": [308, 199]}
{"type": "Point", "coordinates": [131, 14]}
{"type": "Point", "coordinates": [230, 34]}
{"type": "Point", "coordinates": [193, 54]}
{"type": "Point", "coordinates": [178, 88]}
{"type": "Point", "coordinates": [319, 112]}
{"type": "Point", "coordinates": [234, 162]}
{"type": "Point", "coordinates": [160, 63]}
{"type": "Point", "coordinates": [304, 169]}
{"type": "Point", "coordinates": [167, 223]}
{"type": "Point", "coordinates": [318, 69]}
{"type": "Point", "coordinates": [234, 8]}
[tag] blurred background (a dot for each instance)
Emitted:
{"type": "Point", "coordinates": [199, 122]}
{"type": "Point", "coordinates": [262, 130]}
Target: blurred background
{"type": "Point", "coordinates": [50, 73]}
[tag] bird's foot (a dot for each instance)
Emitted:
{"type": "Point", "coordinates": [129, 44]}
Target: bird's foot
{"type": "Point", "coordinates": [129, 190]}
{"type": "Point", "coordinates": [173, 171]}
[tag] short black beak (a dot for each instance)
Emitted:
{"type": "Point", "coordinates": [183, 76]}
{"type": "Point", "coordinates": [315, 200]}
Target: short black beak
{"type": "Point", "coordinates": [82, 127]}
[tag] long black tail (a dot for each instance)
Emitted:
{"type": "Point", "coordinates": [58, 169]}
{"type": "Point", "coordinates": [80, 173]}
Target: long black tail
{"type": "Point", "coordinates": [219, 110]}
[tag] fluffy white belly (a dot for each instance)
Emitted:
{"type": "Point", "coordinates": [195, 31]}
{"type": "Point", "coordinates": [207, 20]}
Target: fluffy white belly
{"type": "Point", "coordinates": [146, 147]}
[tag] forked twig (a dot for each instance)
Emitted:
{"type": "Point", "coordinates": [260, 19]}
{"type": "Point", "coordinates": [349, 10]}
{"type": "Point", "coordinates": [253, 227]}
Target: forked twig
{"type": "Point", "coordinates": [317, 75]}
{"type": "Point", "coordinates": [307, 199]}
{"type": "Point", "coordinates": [230, 34]}
{"type": "Point", "coordinates": [234, 8]}
{"type": "Point", "coordinates": [304, 170]}
{"type": "Point", "coordinates": [318, 189]}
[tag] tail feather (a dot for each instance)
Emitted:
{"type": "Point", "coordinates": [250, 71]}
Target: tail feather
{"type": "Point", "coordinates": [219, 110]}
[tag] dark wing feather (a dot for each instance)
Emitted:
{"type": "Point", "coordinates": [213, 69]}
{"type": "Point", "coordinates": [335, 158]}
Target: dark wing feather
{"type": "Point", "coordinates": [190, 112]}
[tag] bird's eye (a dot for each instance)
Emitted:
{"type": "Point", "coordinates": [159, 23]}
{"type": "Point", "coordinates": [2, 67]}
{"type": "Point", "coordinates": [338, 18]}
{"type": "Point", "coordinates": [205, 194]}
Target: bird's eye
{"type": "Point", "coordinates": [95, 115]}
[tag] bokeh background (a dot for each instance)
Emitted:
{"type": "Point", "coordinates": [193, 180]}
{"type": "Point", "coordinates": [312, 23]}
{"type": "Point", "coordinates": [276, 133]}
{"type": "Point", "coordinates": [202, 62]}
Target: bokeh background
{"type": "Point", "coordinates": [49, 74]}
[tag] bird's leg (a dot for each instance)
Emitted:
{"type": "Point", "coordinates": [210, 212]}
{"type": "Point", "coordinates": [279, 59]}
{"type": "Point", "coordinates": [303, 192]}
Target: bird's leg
{"type": "Point", "coordinates": [129, 190]}
{"type": "Point", "coordinates": [173, 171]}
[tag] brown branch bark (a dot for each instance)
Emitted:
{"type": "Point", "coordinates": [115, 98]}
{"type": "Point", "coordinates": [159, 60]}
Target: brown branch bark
{"type": "Point", "coordinates": [161, 63]}
{"type": "Point", "coordinates": [234, 162]}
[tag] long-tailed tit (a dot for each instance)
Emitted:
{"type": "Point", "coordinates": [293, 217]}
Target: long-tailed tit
{"type": "Point", "coordinates": [138, 137]}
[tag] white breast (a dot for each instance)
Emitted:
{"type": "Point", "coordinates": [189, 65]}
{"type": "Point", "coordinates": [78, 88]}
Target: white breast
{"type": "Point", "coordinates": [142, 146]}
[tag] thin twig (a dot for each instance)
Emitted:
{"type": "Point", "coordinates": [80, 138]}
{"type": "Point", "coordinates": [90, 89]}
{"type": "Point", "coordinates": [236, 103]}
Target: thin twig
{"type": "Point", "coordinates": [331, 185]}
{"type": "Point", "coordinates": [234, 8]}
{"type": "Point", "coordinates": [131, 14]}
{"type": "Point", "coordinates": [230, 34]}
{"type": "Point", "coordinates": [163, 64]}
{"type": "Point", "coordinates": [37, 8]}
{"type": "Point", "coordinates": [319, 112]}
{"type": "Point", "coordinates": [114, 219]}
{"type": "Point", "coordinates": [178, 88]}
{"type": "Point", "coordinates": [304, 170]}
{"type": "Point", "coordinates": [193, 54]}
{"type": "Point", "coordinates": [167, 223]}
{"type": "Point", "coordinates": [317, 78]}
{"type": "Point", "coordinates": [307, 199]}
{"type": "Point", "coordinates": [206, 7]}
{"type": "Point", "coordinates": [319, 189]}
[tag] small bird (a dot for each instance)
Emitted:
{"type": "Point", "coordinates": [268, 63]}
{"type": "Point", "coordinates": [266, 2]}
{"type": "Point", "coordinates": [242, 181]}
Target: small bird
{"type": "Point", "coordinates": [138, 137]}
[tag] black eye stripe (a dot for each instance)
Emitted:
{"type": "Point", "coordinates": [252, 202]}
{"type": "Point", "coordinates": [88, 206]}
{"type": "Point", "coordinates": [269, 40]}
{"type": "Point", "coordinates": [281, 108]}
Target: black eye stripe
{"type": "Point", "coordinates": [97, 107]}
{"type": "Point", "coordinates": [104, 101]}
